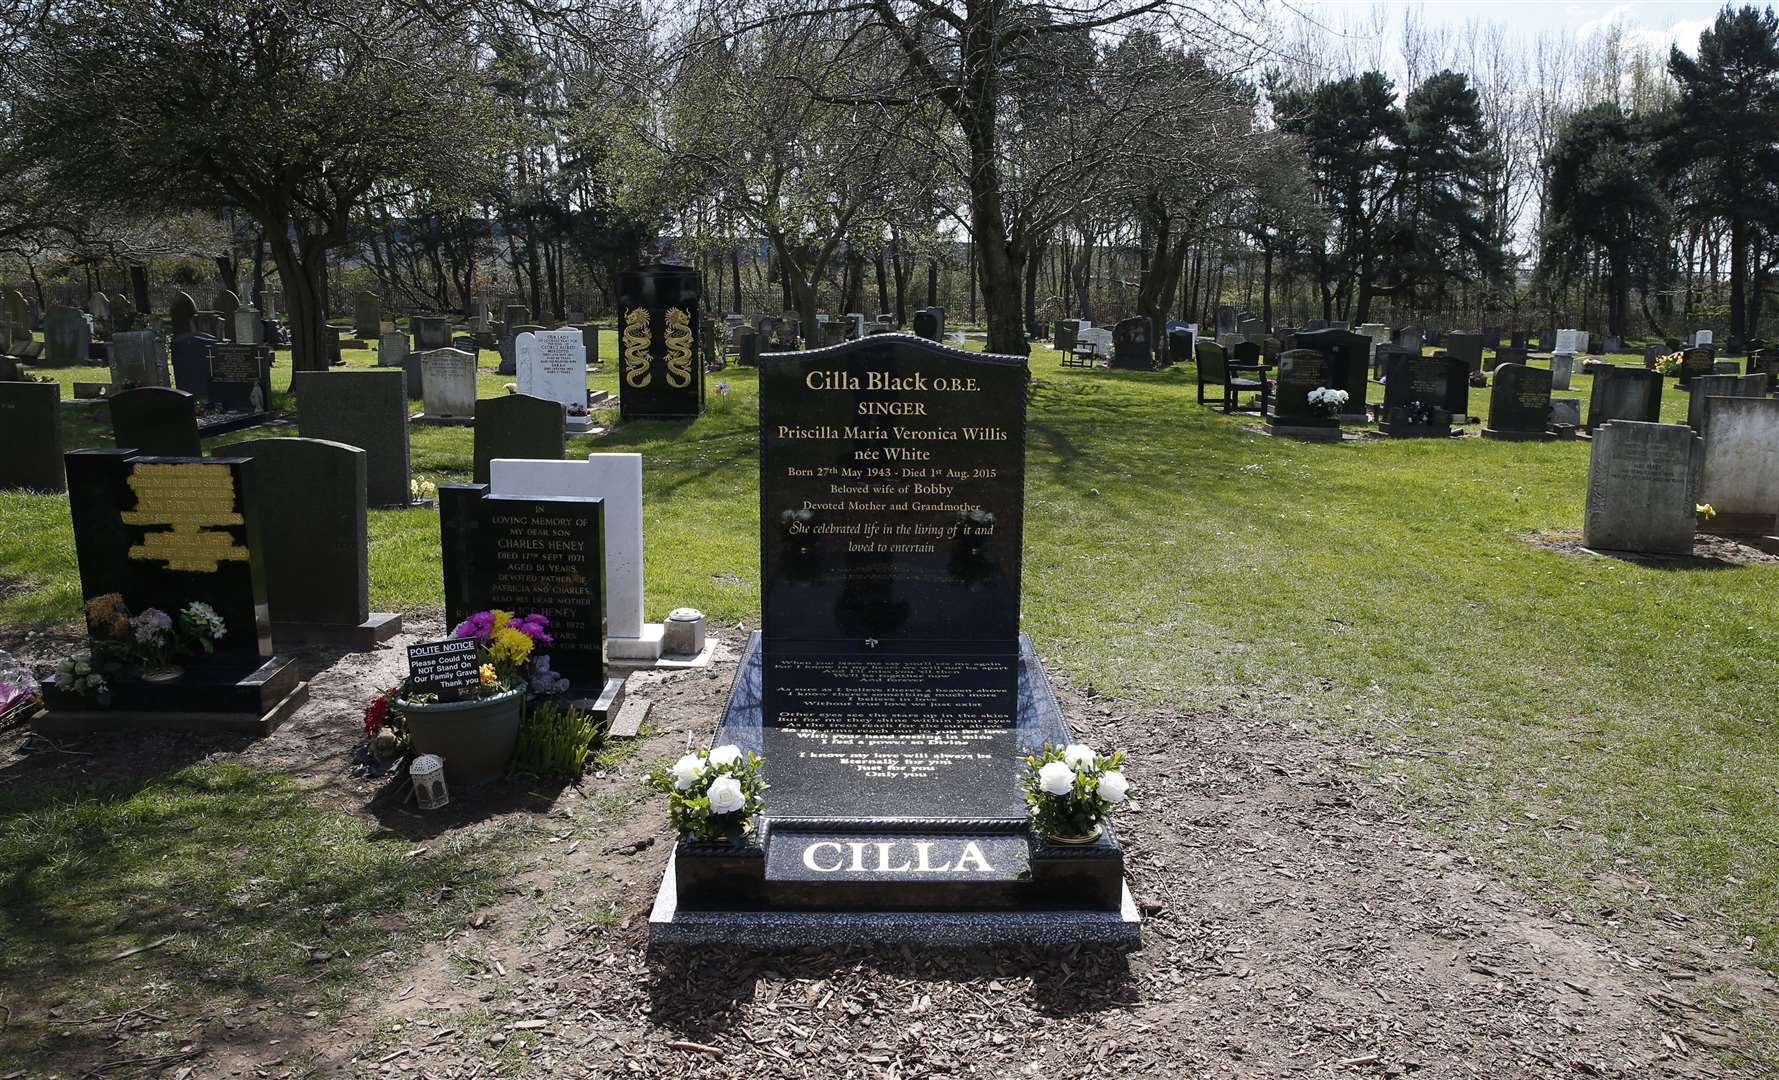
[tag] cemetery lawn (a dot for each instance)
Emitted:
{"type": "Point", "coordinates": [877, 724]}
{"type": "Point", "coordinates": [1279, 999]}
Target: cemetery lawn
{"type": "Point", "coordinates": [1605, 733]}
{"type": "Point", "coordinates": [208, 888]}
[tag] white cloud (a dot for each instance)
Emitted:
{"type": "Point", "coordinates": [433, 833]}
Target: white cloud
{"type": "Point", "coordinates": [1684, 33]}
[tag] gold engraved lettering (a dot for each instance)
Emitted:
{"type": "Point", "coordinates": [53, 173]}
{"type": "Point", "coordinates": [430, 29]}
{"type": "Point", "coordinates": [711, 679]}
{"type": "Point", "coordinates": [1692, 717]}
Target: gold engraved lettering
{"type": "Point", "coordinates": [678, 335]}
{"type": "Point", "coordinates": [198, 501]}
{"type": "Point", "coordinates": [636, 348]}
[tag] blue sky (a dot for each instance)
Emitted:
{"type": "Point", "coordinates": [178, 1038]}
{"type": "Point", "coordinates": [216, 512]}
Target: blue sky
{"type": "Point", "coordinates": [1656, 22]}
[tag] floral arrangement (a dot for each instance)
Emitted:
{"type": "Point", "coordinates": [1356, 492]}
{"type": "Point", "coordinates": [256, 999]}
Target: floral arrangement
{"type": "Point", "coordinates": [510, 643]}
{"type": "Point", "coordinates": [77, 675]}
{"type": "Point", "coordinates": [1670, 363]}
{"type": "Point", "coordinates": [1070, 790]}
{"type": "Point", "coordinates": [1705, 511]}
{"type": "Point", "coordinates": [712, 795]}
{"type": "Point", "coordinates": [1326, 402]}
{"type": "Point", "coordinates": [1420, 414]}
{"type": "Point", "coordinates": [151, 639]}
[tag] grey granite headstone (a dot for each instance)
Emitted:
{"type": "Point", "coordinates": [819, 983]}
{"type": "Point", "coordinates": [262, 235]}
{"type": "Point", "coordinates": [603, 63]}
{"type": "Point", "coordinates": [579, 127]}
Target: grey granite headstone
{"type": "Point", "coordinates": [138, 358]}
{"type": "Point", "coordinates": [99, 306]}
{"type": "Point", "coordinates": [367, 409]}
{"type": "Point", "coordinates": [250, 328]}
{"type": "Point", "coordinates": [31, 436]}
{"type": "Point", "coordinates": [1641, 488]}
{"type": "Point", "coordinates": [67, 338]}
{"type": "Point", "coordinates": [1740, 475]}
{"type": "Point", "coordinates": [1519, 403]}
{"type": "Point", "coordinates": [1705, 387]}
{"type": "Point", "coordinates": [155, 421]}
{"type": "Point", "coordinates": [309, 498]}
{"type": "Point", "coordinates": [392, 349]}
{"type": "Point", "coordinates": [518, 426]}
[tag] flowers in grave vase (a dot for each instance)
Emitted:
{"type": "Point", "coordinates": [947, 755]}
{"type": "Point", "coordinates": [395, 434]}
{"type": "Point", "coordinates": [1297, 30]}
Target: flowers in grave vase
{"type": "Point", "coordinates": [1670, 363]}
{"type": "Point", "coordinates": [200, 627]}
{"type": "Point", "coordinates": [78, 675]}
{"type": "Point", "coordinates": [712, 795]}
{"type": "Point", "coordinates": [1326, 402]}
{"type": "Point", "coordinates": [510, 650]}
{"type": "Point", "coordinates": [1071, 790]}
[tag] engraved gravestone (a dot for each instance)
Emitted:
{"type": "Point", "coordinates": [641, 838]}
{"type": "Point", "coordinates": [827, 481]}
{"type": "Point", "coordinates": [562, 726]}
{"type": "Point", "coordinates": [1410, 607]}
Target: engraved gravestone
{"type": "Point", "coordinates": [527, 554]}
{"type": "Point", "coordinates": [517, 426]}
{"type": "Point", "coordinates": [1700, 360]}
{"type": "Point", "coordinates": [155, 420]}
{"type": "Point", "coordinates": [929, 325]}
{"type": "Point", "coordinates": [448, 385]}
{"type": "Point", "coordinates": [1347, 354]}
{"type": "Point", "coordinates": [889, 688]}
{"type": "Point", "coordinates": [31, 435]}
{"type": "Point", "coordinates": [891, 509]}
{"type": "Point", "coordinates": [1562, 370]}
{"type": "Point", "coordinates": [191, 363]}
{"type": "Point", "coordinates": [1625, 394]}
{"type": "Point", "coordinates": [1466, 347]}
{"type": "Point", "coordinates": [1640, 494]}
{"type": "Point", "coordinates": [237, 377]}
{"type": "Point", "coordinates": [1519, 403]}
{"type": "Point", "coordinates": [1300, 372]}
{"type": "Point", "coordinates": [182, 310]}
{"type": "Point", "coordinates": [1565, 413]}
{"type": "Point", "coordinates": [250, 328]}
{"type": "Point", "coordinates": [553, 365]}
{"type": "Point", "coordinates": [366, 409]}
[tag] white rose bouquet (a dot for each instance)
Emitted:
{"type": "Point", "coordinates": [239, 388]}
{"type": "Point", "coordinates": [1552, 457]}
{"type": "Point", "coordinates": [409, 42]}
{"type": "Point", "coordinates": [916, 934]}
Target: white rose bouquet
{"type": "Point", "coordinates": [76, 675]}
{"type": "Point", "coordinates": [1327, 402]}
{"type": "Point", "coordinates": [1071, 790]}
{"type": "Point", "coordinates": [712, 795]}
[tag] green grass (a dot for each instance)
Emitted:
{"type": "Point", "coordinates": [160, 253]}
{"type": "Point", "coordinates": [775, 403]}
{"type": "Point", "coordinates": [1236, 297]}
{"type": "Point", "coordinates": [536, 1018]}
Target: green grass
{"type": "Point", "coordinates": [239, 876]}
{"type": "Point", "coordinates": [1570, 718]}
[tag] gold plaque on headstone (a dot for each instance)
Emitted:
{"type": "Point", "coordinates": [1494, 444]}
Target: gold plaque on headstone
{"type": "Point", "coordinates": [198, 501]}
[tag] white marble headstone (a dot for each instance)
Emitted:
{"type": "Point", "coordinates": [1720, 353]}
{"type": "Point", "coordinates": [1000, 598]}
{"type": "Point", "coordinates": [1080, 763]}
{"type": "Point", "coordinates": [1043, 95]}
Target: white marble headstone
{"type": "Point", "coordinates": [617, 479]}
{"type": "Point", "coordinates": [1702, 337]}
{"type": "Point", "coordinates": [552, 364]}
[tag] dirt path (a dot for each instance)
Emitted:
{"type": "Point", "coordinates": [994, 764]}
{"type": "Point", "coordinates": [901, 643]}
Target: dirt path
{"type": "Point", "coordinates": [1296, 925]}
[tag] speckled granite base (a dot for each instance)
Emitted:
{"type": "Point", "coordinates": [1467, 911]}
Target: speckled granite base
{"type": "Point", "coordinates": [949, 929]}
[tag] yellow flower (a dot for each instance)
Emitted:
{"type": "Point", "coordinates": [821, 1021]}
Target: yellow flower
{"type": "Point", "coordinates": [1705, 509]}
{"type": "Point", "coordinates": [487, 673]}
{"type": "Point", "coordinates": [501, 618]}
{"type": "Point", "coordinates": [510, 647]}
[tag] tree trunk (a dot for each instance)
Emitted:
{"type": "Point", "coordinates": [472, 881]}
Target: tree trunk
{"type": "Point", "coordinates": [1738, 282]}
{"type": "Point", "coordinates": [882, 286]}
{"type": "Point", "coordinates": [932, 282]}
{"type": "Point", "coordinates": [303, 273]}
{"type": "Point", "coordinates": [1266, 285]}
{"type": "Point", "coordinates": [1032, 262]}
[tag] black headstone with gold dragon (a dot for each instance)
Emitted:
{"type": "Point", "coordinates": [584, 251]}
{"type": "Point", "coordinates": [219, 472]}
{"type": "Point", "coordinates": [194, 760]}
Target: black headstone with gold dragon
{"type": "Point", "coordinates": [659, 372]}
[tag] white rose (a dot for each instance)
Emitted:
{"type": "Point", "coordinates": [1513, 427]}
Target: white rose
{"type": "Point", "coordinates": [726, 796]}
{"type": "Point", "coordinates": [725, 755]}
{"type": "Point", "coordinates": [1056, 778]}
{"type": "Point", "coordinates": [686, 771]}
{"type": "Point", "coordinates": [1113, 785]}
{"type": "Point", "coordinates": [1079, 756]}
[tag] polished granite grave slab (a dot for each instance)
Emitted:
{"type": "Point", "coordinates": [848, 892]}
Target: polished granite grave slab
{"type": "Point", "coordinates": [934, 877]}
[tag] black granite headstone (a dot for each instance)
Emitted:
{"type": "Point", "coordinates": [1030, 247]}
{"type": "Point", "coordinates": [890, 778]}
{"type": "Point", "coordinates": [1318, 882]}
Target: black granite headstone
{"type": "Point", "coordinates": [181, 311]}
{"type": "Point", "coordinates": [1409, 379]}
{"type": "Point", "coordinates": [518, 426]}
{"type": "Point", "coordinates": [191, 363]}
{"type": "Point", "coordinates": [165, 532]}
{"type": "Point", "coordinates": [1301, 371]}
{"type": "Point", "coordinates": [543, 555]}
{"type": "Point", "coordinates": [929, 325]}
{"type": "Point", "coordinates": [1696, 361]}
{"type": "Point", "coordinates": [1519, 403]}
{"type": "Point", "coordinates": [1133, 344]}
{"type": "Point", "coordinates": [1468, 348]}
{"type": "Point", "coordinates": [1066, 332]}
{"type": "Point", "coordinates": [31, 435]}
{"type": "Point", "coordinates": [431, 332]}
{"type": "Point", "coordinates": [747, 346]}
{"type": "Point", "coordinates": [1625, 394]}
{"type": "Point", "coordinates": [235, 377]}
{"type": "Point", "coordinates": [892, 488]}
{"type": "Point", "coordinates": [660, 374]}
{"type": "Point", "coordinates": [1347, 355]}
{"type": "Point", "coordinates": [154, 420]}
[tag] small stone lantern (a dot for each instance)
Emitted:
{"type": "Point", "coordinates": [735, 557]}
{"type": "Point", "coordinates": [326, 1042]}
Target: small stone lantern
{"type": "Point", "coordinates": [683, 633]}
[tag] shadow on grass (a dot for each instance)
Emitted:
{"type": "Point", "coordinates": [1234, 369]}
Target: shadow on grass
{"type": "Point", "coordinates": [230, 883]}
{"type": "Point", "coordinates": [693, 991]}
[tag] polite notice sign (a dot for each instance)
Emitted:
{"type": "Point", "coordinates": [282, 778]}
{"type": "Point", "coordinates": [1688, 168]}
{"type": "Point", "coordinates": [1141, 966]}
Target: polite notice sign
{"type": "Point", "coordinates": [446, 669]}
